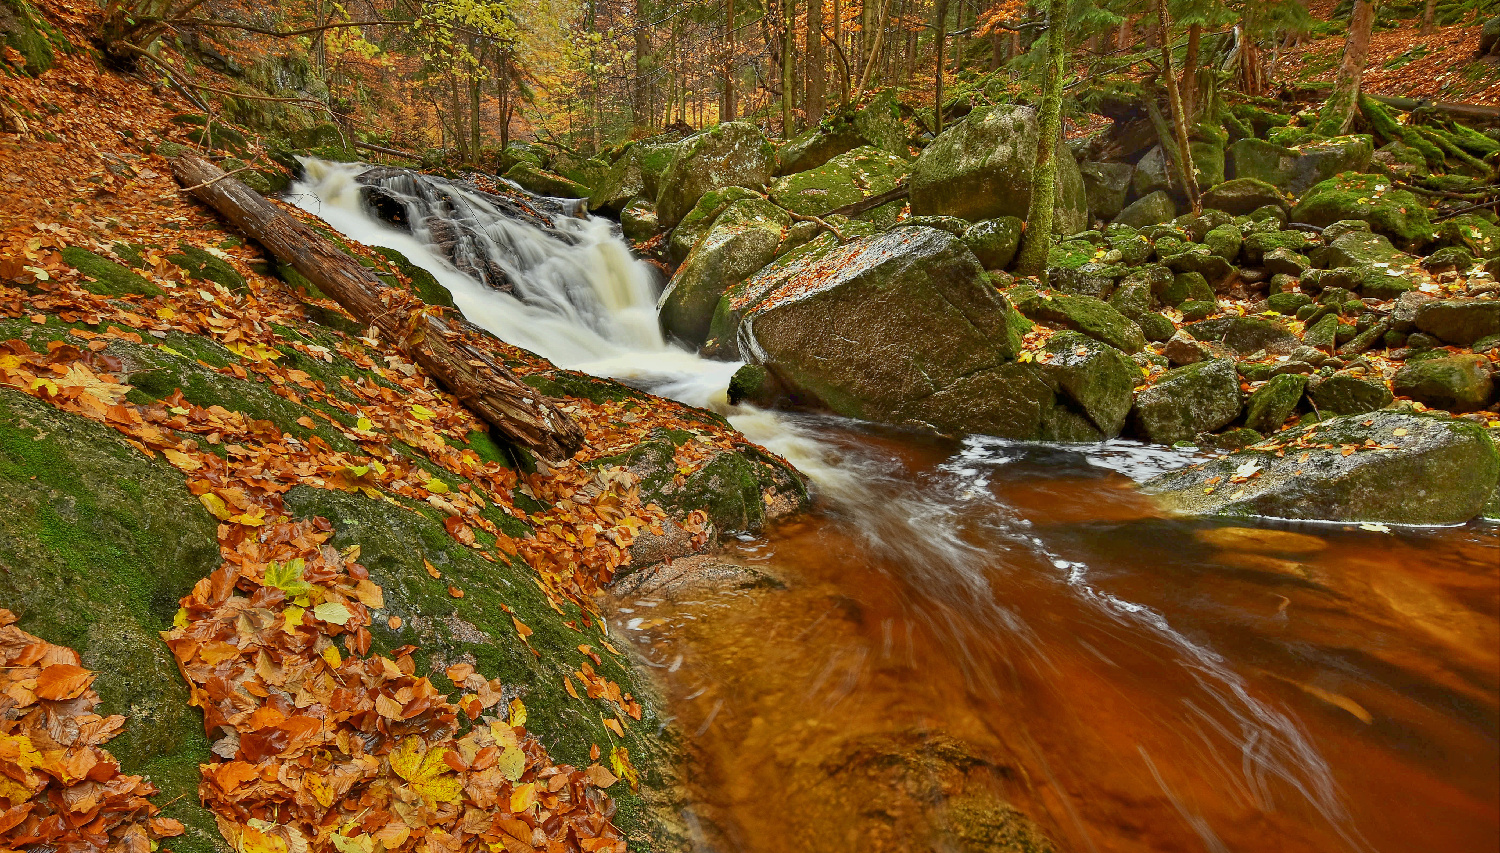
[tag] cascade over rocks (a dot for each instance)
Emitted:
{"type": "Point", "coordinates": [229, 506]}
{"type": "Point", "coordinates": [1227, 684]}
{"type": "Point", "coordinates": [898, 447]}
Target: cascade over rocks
{"type": "Point", "coordinates": [981, 168]}
{"type": "Point", "coordinates": [1423, 469]}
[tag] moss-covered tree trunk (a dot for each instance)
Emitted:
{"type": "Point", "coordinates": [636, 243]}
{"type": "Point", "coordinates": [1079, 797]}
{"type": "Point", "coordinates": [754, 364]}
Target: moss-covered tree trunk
{"type": "Point", "coordinates": [1038, 239]}
{"type": "Point", "coordinates": [788, 79]}
{"type": "Point", "coordinates": [1179, 115]}
{"type": "Point", "coordinates": [940, 32]}
{"type": "Point", "coordinates": [1338, 113]}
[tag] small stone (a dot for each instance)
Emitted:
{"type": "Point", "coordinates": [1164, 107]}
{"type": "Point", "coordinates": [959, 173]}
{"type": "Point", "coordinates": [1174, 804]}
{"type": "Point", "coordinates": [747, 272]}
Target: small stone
{"type": "Point", "coordinates": [1272, 403]}
{"type": "Point", "coordinates": [1347, 394]}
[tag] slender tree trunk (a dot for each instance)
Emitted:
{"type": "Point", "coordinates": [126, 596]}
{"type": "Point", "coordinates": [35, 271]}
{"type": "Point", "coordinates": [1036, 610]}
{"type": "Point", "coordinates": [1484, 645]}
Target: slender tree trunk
{"type": "Point", "coordinates": [475, 123]}
{"type": "Point", "coordinates": [864, 77]}
{"type": "Point", "coordinates": [640, 100]}
{"type": "Point", "coordinates": [1174, 99]}
{"type": "Point", "coordinates": [1037, 241]}
{"type": "Point", "coordinates": [817, 63]}
{"type": "Point", "coordinates": [788, 79]}
{"type": "Point", "coordinates": [843, 51]}
{"type": "Point", "coordinates": [1338, 113]}
{"type": "Point", "coordinates": [1126, 34]}
{"type": "Point", "coordinates": [729, 38]}
{"type": "Point", "coordinates": [1429, 17]}
{"type": "Point", "coordinates": [941, 33]}
{"type": "Point", "coordinates": [1190, 71]}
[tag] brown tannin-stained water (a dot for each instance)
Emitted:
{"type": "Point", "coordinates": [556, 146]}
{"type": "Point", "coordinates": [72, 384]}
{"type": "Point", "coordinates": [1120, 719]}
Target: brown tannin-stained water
{"type": "Point", "coordinates": [995, 622]}
{"type": "Point", "coordinates": [963, 634]}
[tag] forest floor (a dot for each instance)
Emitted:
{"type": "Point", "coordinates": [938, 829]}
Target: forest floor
{"type": "Point", "coordinates": [1444, 65]}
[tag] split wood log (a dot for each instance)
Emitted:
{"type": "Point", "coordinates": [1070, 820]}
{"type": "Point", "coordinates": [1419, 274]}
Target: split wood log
{"type": "Point", "coordinates": [489, 389]}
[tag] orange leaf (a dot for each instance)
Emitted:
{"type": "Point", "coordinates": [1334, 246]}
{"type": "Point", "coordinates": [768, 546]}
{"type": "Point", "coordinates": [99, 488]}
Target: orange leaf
{"type": "Point", "coordinates": [63, 681]}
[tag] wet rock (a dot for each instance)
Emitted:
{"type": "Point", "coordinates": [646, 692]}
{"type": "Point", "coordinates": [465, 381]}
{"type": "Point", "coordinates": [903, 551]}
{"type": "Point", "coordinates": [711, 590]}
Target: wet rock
{"type": "Point", "coordinates": [1200, 260]}
{"type": "Point", "coordinates": [1151, 209]}
{"type": "Point", "coordinates": [696, 224]}
{"type": "Point", "coordinates": [994, 241]}
{"type": "Point", "coordinates": [1323, 334]}
{"type": "Point", "coordinates": [692, 577]}
{"type": "Point", "coordinates": [638, 220]}
{"type": "Point", "coordinates": [620, 184]}
{"type": "Point", "coordinates": [981, 168]}
{"type": "Point", "coordinates": [1272, 403]}
{"type": "Point", "coordinates": [1456, 383]}
{"type": "Point", "coordinates": [1243, 196]}
{"type": "Point", "coordinates": [1186, 401]}
{"type": "Point", "coordinates": [1095, 377]}
{"type": "Point", "coordinates": [1460, 322]}
{"type": "Point", "coordinates": [731, 154]}
{"type": "Point", "coordinates": [533, 178]}
{"type": "Point", "coordinates": [901, 327]}
{"type": "Point", "coordinates": [1106, 186]}
{"type": "Point", "coordinates": [1183, 349]}
{"type": "Point", "coordinates": [1183, 287]}
{"type": "Point", "coordinates": [1346, 393]}
{"type": "Point", "coordinates": [1287, 303]}
{"type": "Point", "coordinates": [743, 239]}
{"type": "Point", "coordinates": [1441, 471]}
{"type": "Point", "coordinates": [1245, 335]}
{"type": "Point", "coordinates": [1285, 262]}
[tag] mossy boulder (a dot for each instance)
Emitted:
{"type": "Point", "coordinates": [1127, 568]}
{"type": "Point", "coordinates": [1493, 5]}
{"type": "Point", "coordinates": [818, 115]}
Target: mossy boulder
{"type": "Point", "coordinates": [27, 33]}
{"type": "Point", "coordinates": [1348, 393]}
{"type": "Point", "coordinates": [205, 266]}
{"type": "Point", "coordinates": [1272, 403]}
{"type": "Point", "coordinates": [1151, 209]}
{"type": "Point", "coordinates": [619, 184]}
{"type": "Point", "coordinates": [1396, 213]}
{"type": "Point", "coordinates": [743, 239]}
{"type": "Point", "coordinates": [423, 283]}
{"type": "Point", "coordinates": [1441, 471]}
{"type": "Point", "coordinates": [1087, 314]}
{"type": "Point", "coordinates": [638, 220]}
{"type": "Point", "coordinates": [981, 168]}
{"type": "Point", "coordinates": [515, 153]}
{"type": "Point", "coordinates": [875, 125]}
{"type": "Point", "coordinates": [100, 543]}
{"type": "Point", "coordinates": [105, 277]}
{"type": "Point", "coordinates": [731, 154]}
{"type": "Point", "coordinates": [696, 224]}
{"type": "Point", "coordinates": [1297, 169]}
{"type": "Point", "coordinates": [1457, 383]}
{"type": "Point", "coordinates": [1243, 196]}
{"type": "Point", "coordinates": [994, 241]}
{"type": "Point", "coordinates": [1186, 401]}
{"type": "Point", "coordinates": [535, 179]}
{"type": "Point", "coordinates": [743, 296]}
{"type": "Point", "coordinates": [1477, 235]}
{"type": "Point", "coordinates": [848, 178]}
{"type": "Point", "coordinates": [902, 327]}
{"type": "Point", "coordinates": [1093, 377]}
{"type": "Point", "coordinates": [1244, 335]}
{"type": "Point", "coordinates": [1106, 186]}
{"type": "Point", "coordinates": [1460, 322]}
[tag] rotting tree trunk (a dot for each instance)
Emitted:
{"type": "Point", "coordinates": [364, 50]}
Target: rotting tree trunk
{"type": "Point", "coordinates": [1037, 242]}
{"type": "Point", "coordinates": [1338, 114]}
{"type": "Point", "coordinates": [486, 387]}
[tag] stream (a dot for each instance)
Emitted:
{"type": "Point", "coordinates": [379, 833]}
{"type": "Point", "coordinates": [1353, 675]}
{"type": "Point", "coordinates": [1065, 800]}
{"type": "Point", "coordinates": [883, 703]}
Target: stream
{"type": "Point", "coordinates": [960, 623]}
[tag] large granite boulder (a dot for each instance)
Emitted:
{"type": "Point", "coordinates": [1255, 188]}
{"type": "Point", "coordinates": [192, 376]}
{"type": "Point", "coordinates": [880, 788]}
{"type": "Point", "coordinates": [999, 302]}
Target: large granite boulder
{"type": "Point", "coordinates": [1186, 401]}
{"type": "Point", "coordinates": [1393, 212]}
{"type": "Point", "coordinates": [1457, 383]}
{"type": "Point", "coordinates": [1106, 185]}
{"type": "Point", "coordinates": [1460, 322]}
{"type": "Point", "coordinates": [876, 125]}
{"type": "Point", "coordinates": [981, 168]}
{"type": "Point", "coordinates": [1094, 377]}
{"type": "Point", "coordinates": [1295, 170]}
{"type": "Point", "coordinates": [742, 240]}
{"type": "Point", "coordinates": [901, 327]}
{"type": "Point", "coordinates": [1421, 469]}
{"type": "Point", "coordinates": [733, 154]}
{"type": "Point", "coordinates": [848, 178]}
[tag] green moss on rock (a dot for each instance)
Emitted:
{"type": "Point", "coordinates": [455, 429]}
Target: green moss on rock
{"type": "Point", "coordinates": [107, 277]}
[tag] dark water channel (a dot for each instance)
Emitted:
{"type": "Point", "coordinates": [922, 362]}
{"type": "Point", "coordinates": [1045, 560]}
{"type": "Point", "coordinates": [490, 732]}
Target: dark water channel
{"type": "Point", "coordinates": [999, 620]}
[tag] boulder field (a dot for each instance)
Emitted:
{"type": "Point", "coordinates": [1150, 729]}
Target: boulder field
{"type": "Point", "coordinates": [1315, 286]}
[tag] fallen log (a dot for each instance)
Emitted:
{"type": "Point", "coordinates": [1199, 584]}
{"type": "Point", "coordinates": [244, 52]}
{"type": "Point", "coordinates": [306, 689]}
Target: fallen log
{"type": "Point", "coordinates": [486, 387]}
{"type": "Point", "coordinates": [901, 190]}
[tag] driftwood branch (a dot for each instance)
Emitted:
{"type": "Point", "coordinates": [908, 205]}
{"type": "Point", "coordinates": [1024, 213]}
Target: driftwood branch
{"type": "Point", "coordinates": [485, 386]}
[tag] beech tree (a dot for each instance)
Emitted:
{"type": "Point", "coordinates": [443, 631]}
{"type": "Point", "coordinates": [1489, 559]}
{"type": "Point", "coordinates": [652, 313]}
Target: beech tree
{"type": "Point", "coordinates": [1338, 114]}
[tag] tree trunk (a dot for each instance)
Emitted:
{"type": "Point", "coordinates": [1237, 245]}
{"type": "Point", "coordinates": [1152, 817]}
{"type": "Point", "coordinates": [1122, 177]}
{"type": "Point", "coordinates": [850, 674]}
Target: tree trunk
{"type": "Point", "coordinates": [1338, 113]}
{"type": "Point", "coordinates": [864, 77]}
{"type": "Point", "coordinates": [1174, 99]}
{"type": "Point", "coordinates": [817, 63]}
{"type": "Point", "coordinates": [1429, 17]}
{"type": "Point", "coordinates": [476, 125]}
{"type": "Point", "coordinates": [640, 103]}
{"type": "Point", "coordinates": [843, 54]}
{"type": "Point", "coordinates": [941, 32]}
{"type": "Point", "coordinates": [1189, 81]}
{"type": "Point", "coordinates": [1038, 238]}
{"type": "Point", "coordinates": [788, 80]}
{"type": "Point", "coordinates": [485, 386]}
{"type": "Point", "coordinates": [729, 39]}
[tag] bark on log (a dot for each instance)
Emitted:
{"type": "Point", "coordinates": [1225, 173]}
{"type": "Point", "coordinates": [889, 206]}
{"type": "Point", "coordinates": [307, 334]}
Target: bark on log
{"type": "Point", "coordinates": [486, 387]}
{"type": "Point", "coordinates": [901, 190]}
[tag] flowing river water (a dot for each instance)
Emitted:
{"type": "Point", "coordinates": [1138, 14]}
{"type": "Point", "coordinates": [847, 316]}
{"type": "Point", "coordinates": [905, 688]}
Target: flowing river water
{"type": "Point", "coordinates": [958, 620]}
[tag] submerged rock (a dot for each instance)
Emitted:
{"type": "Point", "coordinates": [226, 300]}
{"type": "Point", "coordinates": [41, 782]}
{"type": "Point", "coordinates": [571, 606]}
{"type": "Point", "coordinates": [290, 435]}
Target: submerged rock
{"type": "Point", "coordinates": [1424, 469]}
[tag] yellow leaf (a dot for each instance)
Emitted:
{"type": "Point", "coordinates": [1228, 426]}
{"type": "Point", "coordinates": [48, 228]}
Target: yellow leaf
{"type": "Point", "coordinates": [321, 791]}
{"type": "Point", "coordinates": [437, 486]}
{"type": "Point", "coordinates": [425, 769]}
{"type": "Point", "coordinates": [180, 620]}
{"type": "Point", "coordinates": [181, 461]}
{"type": "Point", "coordinates": [215, 505]}
{"type": "Point", "coordinates": [292, 617]}
{"type": "Point", "coordinates": [364, 425]}
{"type": "Point", "coordinates": [511, 763]}
{"type": "Point", "coordinates": [422, 413]}
{"type": "Point", "coordinates": [523, 797]}
{"type": "Point", "coordinates": [333, 612]}
{"type": "Point", "coordinates": [358, 844]}
{"type": "Point", "coordinates": [331, 655]}
{"type": "Point", "coordinates": [517, 713]}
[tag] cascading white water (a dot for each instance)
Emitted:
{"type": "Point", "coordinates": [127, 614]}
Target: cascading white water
{"type": "Point", "coordinates": [586, 304]}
